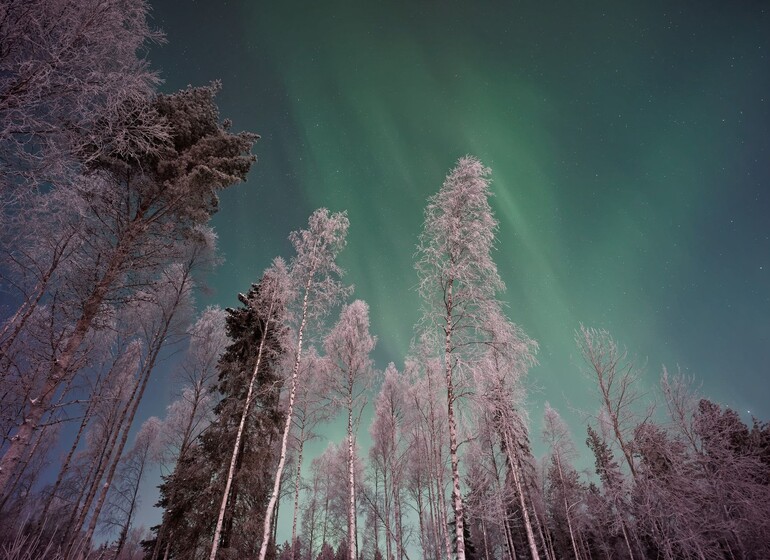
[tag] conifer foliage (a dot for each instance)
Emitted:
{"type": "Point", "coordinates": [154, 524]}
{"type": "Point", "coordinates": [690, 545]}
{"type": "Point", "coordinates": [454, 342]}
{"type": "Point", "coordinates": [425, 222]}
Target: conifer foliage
{"type": "Point", "coordinates": [192, 495]}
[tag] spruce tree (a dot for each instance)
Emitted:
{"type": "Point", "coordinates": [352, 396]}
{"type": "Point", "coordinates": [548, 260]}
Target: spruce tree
{"type": "Point", "coordinates": [191, 496]}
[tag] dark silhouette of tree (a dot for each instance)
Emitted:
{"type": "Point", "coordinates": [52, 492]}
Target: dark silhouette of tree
{"type": "Point", "coordinates": [191, 496]}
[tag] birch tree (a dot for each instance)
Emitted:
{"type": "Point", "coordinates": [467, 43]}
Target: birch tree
{"type": "Point", "coordinates": [349, 373]}
{"type": "Point", "coordinates": [617, 380]}
{"type": "Point", "coordinates": [312, 407]}
{"type": "Point", "coordinates": [428, 449]}
{"type": "Point", "coordinates": [316, 280]}
{"type": "Point", "coordinates": [562, 453]}
{"type": "Point", "coordinates": [458, 282]}
{"type": "Point", "coordinates": [388, 453]}
{"type": "Point", "coordinates": [162, 314]}
{"type": "Point", "coordinates": [123, 500]}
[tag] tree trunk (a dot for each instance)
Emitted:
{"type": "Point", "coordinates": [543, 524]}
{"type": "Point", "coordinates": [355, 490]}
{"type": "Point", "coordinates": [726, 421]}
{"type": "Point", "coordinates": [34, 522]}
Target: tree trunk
{"type": "Point", "coordinates": [566, 507]}
{"type": "Point", "coordinates": [456, 496]}
{"type": "Point", "coordinates": [187, 436]}
{"type": "Point", "coordinates": [152, 355]}
{"type": "Point", "coordinates": [296, 495]}
{"type": "Point", "coordinates": [111, 438]}
{"type": "Point", "coordinates": [127, 526]}
{"type": "Point", "coordinates": [60, 369]}
{"type": "Point", "coordinates": [352, 541]}
{"type": "Point", "coordinates": [286, 428]}
{"type": "Point", "coordinates": [65, 465]}
{"type": "Point", "coordinates": [513, 466]}
{"type": "Point", "coordinates": [386, 507]}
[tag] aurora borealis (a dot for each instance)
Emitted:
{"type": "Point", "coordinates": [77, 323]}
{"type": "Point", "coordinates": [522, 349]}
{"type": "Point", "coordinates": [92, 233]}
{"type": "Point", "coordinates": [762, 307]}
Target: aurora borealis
{"type": "Point", "coordinates": [628, 142]}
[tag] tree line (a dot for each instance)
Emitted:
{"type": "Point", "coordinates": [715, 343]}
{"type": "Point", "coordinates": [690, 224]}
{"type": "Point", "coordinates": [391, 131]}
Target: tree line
{"type": "Point", "coordinates": [108, 187]}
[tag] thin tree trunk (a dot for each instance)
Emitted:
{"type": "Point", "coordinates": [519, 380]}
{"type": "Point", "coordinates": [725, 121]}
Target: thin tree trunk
{"type": "Point", "coordinates": [433, 512]}
{"type": "Point", "coordinates": [149, 365]}
{"type": "Point", "coordinates": [566, 507]}
{"type": "Point", "coordinates": [506, 526]}
{"type": "Point", "coordinates": [185, 445]}
{"type": "Point", "coordinates": [286, 428]}
{"type": "Point", "coordinates": [27, 308]}
{"type": "Point", "coordinates": [70, 528]}
{"type": "Point", "coordinates": [484, 537]}
{"type": "Point", "coordinates": [326, 514]}
{"type": "Point", "coordinates": [127, 526]}
{"type": "Point", "coordinates": [514, 471]}
{"type": "Point", "coordinates": [311, 538]}
{"type": "Point", "coordinates": [65, 465]}
{"type": "Point", "coordinates": [296, 495]}
{"type": "Point", "coordinates": [395, 492]}
{"type": "Point", "coordinates": [352, 541]}
{"type": "Point", "coordinates": [111, 438]}
{"type": "Point", "coordinates": [441, 508]}
{"type": "Point", "coordinates": [386, 507]}
{"type": "Point", "coordinates": [456, 496]}
{"type": "Point", "coordinates": [420, 516]}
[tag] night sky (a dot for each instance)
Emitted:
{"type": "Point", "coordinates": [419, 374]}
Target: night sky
{"type": "Point", "coordinates": [628, 142]}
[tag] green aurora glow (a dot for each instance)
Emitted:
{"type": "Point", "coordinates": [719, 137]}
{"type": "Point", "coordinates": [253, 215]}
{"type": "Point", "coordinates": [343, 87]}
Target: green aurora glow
{"type": "Point", "coordinates": [628, 143]}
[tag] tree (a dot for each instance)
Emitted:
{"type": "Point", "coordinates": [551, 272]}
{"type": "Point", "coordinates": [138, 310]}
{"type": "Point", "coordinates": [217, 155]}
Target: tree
{"type": "Point", "coordinates": [426, 423]}
{"type": "Point", "coordinates": [388, 455]}
{"type": "Point", "coordinates": [562, 448]}
{"type": "Point", "coordinates": [190, 414]}
{"type": "Point", "coordinates": [73, 87]}
{"type": "Point", "coordinates": [614, 500]}
{"type": "Point", "coordinates": [458, 281]}
{"type": "Point", "coordinates": [206, 477]}
{"type": "Point", "coordinates": [312, 407]}
{"type": "Point", "coordinates": [124, 497]}
{"type": "Point", "coordinates": [316, 274]}
{"type": "Point", "coordinates": [162, 315]}
{"type": "Point", "coordinates": [350, 372]}
{"type": "Point", "coordinates": [268, 304]}
{"type": "Point", "coordinates": [617, 381]}
{"type": "Point", "coordinates": [140, 209]}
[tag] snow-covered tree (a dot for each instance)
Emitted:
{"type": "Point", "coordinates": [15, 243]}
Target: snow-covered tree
{"type": "Point", "coordinates": [459, 283]}
{"type": "Point", "coordinates": [388, 454]}
{"type": "Point", "coordinates": [268, 304]}
{"type": "Point", "coordinates": [74, 86]}
{"type": "Point", "coordinates": [145, 214]}
{"type": "Point", "coordinates": [562, 453]}
{"type": "Point", "coordinates": [123, 499]}
{"type": "Point", "coordinates": [349, 374]}
{"type": "Point", "coordinates": [317, 288]}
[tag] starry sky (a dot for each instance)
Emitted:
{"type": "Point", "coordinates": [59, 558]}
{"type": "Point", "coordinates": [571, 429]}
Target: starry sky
{"type": "Point", "coordinates": [628, 142]}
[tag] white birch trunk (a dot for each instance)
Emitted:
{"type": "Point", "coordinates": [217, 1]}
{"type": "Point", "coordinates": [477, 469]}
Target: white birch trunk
{"type": "Point", "coordinates": [286, 429]}
{"type": "Point", "coordinates": [352, 541]}
{"type": "Point", "coordinates": [457, 500]}
{"type": "Point", "coordinates": [520, 491]}
{"type": "Point", "coordinates": [566, 507]}
{"type": "Point", "coordinates": [296, 495]}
